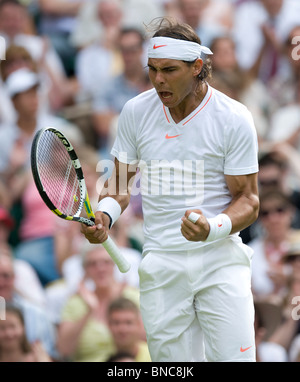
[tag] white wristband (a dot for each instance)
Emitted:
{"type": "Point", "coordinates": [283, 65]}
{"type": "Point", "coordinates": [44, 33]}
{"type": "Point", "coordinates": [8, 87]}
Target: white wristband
{"type": "Point", "coordinates": [220, 227]}
{"type": "Point", "coordinates": [111, 207]}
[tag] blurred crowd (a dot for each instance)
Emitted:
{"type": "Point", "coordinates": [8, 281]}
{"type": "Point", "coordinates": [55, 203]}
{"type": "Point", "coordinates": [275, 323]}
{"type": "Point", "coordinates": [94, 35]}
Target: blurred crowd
{"type": "Point", "coordinates": [72, 64]}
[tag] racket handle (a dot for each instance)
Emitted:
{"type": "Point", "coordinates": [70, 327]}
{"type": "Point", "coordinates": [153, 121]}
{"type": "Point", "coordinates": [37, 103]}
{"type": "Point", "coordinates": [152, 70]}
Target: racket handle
{"type": "Point", "coordinates": [116, 255]}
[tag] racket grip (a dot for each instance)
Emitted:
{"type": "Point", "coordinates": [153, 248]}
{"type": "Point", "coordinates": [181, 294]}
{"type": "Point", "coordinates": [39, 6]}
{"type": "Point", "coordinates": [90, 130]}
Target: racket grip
{"type": "Point", "coordinates": [116, 255]}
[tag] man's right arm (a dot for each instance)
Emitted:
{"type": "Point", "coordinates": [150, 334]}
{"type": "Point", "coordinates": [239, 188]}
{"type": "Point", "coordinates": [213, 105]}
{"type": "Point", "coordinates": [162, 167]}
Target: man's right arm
{"type": "Point", "coordinates": [117, 187]}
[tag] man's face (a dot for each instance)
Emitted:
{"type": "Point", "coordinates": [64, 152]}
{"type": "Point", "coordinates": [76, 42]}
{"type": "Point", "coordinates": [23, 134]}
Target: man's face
{"type": "Point", "coordinates": [276, 217]}
{"type": "Point", "coordinates": [11, 332]}
{"type": "Point", "coordinates": [192, 11]}
{"type": "Point", "coordinates": [173, 80]}
{"type": "Point", "coordinates": [12, 19]}
{"type": "Point", "coordinates": [27, 103]}
{"type": "Point", "coordinates": [132, 49]}
{"type": "Point", "coordinates": [124, 326]}
{"type": "Point", "coordinates": [99, 267]}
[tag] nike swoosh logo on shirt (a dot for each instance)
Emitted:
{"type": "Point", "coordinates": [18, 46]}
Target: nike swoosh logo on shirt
{"type": "Point", "coordinates": [171, 136]}
{"type": "Point", "coordinates": [243, 350]}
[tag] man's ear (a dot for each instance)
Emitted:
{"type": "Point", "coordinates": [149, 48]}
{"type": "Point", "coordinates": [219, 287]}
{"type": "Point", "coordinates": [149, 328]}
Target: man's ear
{"type": "Point", "coordinates": [198, 65]}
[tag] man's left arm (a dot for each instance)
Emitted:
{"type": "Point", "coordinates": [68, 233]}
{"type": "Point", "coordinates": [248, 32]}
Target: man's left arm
{"type": "Point", "coordinates": [244, 207]}
{"type": "Point", "coordinates": [241, 212]}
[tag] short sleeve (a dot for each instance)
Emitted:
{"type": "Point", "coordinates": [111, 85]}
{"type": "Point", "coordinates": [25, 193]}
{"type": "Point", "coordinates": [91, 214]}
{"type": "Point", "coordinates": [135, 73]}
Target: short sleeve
{"type": "Point", "coordinates": [124, 148]}
{"type": "Point", "coordinates": [241, 146]}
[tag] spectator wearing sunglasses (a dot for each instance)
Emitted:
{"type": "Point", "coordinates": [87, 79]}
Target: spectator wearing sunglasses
{"type": "Point", "coordinates": [279, 168]}
{"type": "Point", "coordinates": [269, 273]}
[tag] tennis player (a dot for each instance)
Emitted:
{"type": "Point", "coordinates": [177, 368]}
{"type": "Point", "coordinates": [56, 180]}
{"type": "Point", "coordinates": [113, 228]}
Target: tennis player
{"type": "Point", "coordinates": [197, 153]}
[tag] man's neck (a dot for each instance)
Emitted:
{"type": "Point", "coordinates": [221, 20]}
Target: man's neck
{"type": "Point", "coordinates": [189, 104]}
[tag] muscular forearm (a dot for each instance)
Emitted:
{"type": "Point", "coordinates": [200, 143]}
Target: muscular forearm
{"type": "Point", "coordinates": [243, 211]}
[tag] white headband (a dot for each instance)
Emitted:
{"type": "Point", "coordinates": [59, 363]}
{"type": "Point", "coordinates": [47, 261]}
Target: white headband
{"type": "Point", "coordinates": [166, 47]}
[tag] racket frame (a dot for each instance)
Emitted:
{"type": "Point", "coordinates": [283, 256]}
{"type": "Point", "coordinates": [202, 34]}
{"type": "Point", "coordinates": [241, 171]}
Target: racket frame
{"type": "Point", "coordinates": [84, 197]}
{"type": "Point", "coordinates": [108, 244]}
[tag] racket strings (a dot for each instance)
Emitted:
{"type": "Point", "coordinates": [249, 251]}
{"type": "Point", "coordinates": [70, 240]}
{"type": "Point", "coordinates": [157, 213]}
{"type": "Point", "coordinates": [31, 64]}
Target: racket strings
{"type": "Point", "coordinates": [58, 175]}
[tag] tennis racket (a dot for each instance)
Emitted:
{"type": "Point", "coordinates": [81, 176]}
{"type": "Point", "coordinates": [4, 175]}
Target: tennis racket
{"type": "Point", "coordinates": [59, 179]}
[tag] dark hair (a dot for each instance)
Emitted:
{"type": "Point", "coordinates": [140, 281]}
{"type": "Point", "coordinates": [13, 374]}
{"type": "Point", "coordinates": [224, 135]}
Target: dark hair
{"type": "Point", "coordinates": [3, 3]}
{"type": "Point", "coordinates": [14, 53]}
{"type": "Point", "coordinates": [277, 194]}
{"type": "Point", "coordinates": [122, 303]}
{"type": "Point", "coordinates": [272, 158]}
{"type": "Point", "coordinates": [11, 308]}
{"type": "Point", "coordinates": [169, 27]}
{"type": "Point", "coordinates": [128, 29]}
{"type": "Point", "coordinates": [119, 356]}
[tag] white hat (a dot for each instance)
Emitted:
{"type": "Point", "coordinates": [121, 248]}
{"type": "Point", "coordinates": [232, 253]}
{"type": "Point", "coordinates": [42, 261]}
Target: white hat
{"type": "Point", "coordinates": [20, 81]}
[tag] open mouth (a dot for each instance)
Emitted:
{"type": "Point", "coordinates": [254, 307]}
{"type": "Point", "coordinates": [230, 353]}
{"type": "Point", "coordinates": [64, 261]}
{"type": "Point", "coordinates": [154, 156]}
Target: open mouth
{"type": "Point", "coordinates": [165, 95]}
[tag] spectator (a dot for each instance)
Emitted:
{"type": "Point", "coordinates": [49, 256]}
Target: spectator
{"type": "Point", "coordinates": [53, 89]}
{"type": "Point", "coordinates": [219, 13]}
{"type": "Point", "coordinates": [192, 13]}
{"type": "Point", "coordinates": [289, 117]}
{"type": "Point", "coordinates": [99, 19]}
{"type": "Point", "coordinates": [103, 51]}
{"type": "Point", "coordinates": [287, 334]}
{"type": "Point", "coordinates": [260, 29]}
{"type": "Point", "coordinates": [37, 326]}
{"type": "Point", "coordinates": [57, 20]}
{"type": "Point", "coordinates": [125, 324]}
{"type": "Point", "coordinates": [14, 345]}
{"type": "Point", "coordinates": [133, 80]}
{"type": "Point", "coordinates": [26, 279]}
{"type": "Point", "coordinates": [140, 12]}
{"type": "Point", "coordinates": [282, 89]}
{"type": "Point", "coordinates": [269, 275]}
{"type": "Point", "coordinates": [13, 18]}
{"type": "Point", "coordinates": [294, 351]}
{"type": "Point", "coordinates": [236, 82]}
{"type": "Point", "coordinates": [37, 224]}
{"type": "Point", "coordinates": [268, 317]}
{"type": "Point", "coordinates": [83, 334]}
{"type": "Point", "coordinates": [279, 168]}
{"type": "Point", "coordinates": [292, 258]}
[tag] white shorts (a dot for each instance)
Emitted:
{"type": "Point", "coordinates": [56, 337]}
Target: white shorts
{"type": "Point", "coordinates": [197, 305]}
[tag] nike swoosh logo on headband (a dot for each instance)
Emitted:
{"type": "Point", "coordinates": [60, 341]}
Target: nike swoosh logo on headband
{"type": "Point", "coordinates": [158, 46]}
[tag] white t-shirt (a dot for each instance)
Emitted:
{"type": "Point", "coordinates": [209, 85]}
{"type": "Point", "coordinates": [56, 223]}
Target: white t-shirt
{"type": "Point", "coordinates": [182, 165]}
